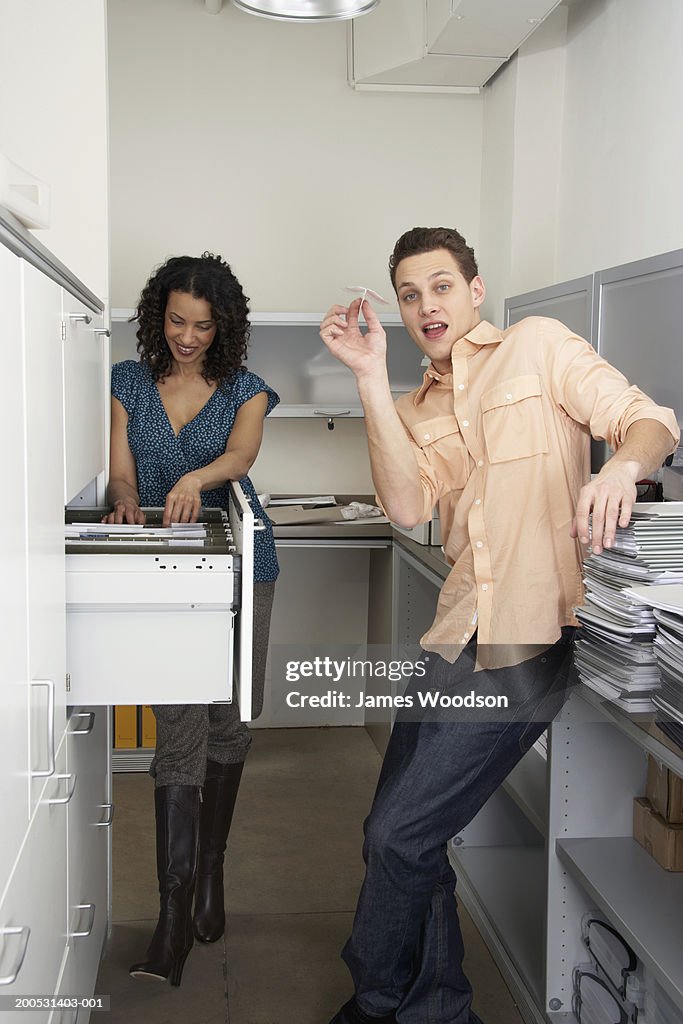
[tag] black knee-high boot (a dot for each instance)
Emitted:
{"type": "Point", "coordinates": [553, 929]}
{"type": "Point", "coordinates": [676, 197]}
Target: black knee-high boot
{"type": "Point", "coordinates": [218, 803]}
{"type": "Point", "coordinates": [177, 824]}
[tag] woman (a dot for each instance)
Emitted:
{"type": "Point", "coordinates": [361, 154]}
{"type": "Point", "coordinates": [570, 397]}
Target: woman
{"type": "Point", "coordinates": [186, 419]}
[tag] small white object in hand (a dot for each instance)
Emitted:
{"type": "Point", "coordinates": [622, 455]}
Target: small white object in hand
{"type": "Point", "coordinates": [366, 292]}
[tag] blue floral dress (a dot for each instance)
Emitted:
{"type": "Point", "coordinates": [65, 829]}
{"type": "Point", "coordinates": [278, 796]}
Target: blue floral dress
{"type": "Point", "coordinates": [162, 457]}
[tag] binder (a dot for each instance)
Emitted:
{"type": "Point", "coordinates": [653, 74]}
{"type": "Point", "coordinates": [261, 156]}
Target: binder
{"type": "Point", "coordinates": [148, 727]}
{"type": "Point", "coordinates": [125, 726]}
{"type": "Point", "coordinates": [611, 953]}
{"type": "Point", "coordinates": [593, 1001]}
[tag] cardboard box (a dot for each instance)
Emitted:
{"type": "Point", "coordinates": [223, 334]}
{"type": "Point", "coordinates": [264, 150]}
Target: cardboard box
{"type": "Point", "coordinates": [662, 841]}
{"type": "Point", "coordinates": [665, 791]}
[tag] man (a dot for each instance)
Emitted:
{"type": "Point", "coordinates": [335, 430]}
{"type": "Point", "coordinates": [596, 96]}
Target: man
{"type": "Point", "coordinates": [499, 435]}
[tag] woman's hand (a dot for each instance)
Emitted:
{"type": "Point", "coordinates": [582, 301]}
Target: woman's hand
{"type": "Point", "coordinates": [364, 354]}
{"type": "Point", "coordinates": [126, 511]}
{"type": "Point", "coordinates": [183, 502]}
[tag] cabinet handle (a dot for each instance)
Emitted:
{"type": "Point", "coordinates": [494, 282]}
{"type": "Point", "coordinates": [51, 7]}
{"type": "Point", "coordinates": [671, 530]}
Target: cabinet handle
{"type": "Point", "coordinates": [91, 925]}
{"type": "Point", "coordinates": [80, 318]}
{"type": "Point", "coordinates": [103, 332]}
{"type": "Point", "coordinates": [110, 816]}
{"type": "Point", "coordinates": [70, 791]}
{"type": "Point", "coordinates": [24, 931]}
{"type": "Point", "coordinates": [90, 715]}
{"type": "Point", "coordinates": [50, 770]}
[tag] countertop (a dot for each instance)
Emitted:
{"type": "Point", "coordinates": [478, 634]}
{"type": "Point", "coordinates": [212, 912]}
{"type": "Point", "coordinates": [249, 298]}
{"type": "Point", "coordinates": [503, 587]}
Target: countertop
{"type": "Point", "coordinates": [332, 531]}
{"type": "Point", "coordinates": [430, 555]}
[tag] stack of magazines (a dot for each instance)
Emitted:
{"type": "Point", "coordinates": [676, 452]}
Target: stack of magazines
{"type": "Point", "coordinates": [616, 653]}
{"type": "Point", "coordinates": [667, 605]}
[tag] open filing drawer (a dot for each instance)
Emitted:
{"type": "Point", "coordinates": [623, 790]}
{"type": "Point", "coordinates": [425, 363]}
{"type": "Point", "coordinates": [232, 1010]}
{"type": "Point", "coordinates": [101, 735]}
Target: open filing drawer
{"type": "Point", "coordinates": [159, 619]}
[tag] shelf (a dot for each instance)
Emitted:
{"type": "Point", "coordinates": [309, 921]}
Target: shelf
{"type": "Point", "coordinates": [636, 727]}
{"type": "Point", "coordinates": [527, 784]}
{"type": "Point", "coordinates": [121, 315]}
{"type": "Point", "coordinates": [505, 890]}
{"type": "Point", "coordinates": [642, 900]}
{"type": "Point", "coordinates": [322, 412]}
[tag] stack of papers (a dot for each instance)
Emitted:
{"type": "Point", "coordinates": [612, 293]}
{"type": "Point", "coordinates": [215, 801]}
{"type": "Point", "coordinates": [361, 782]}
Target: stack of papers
{"type": "Point", "coordinates": [667, 605]}
{"type": "Point", "coordinates": [175, 535]}
{"type": "Point", "coordinates": [617, 654]}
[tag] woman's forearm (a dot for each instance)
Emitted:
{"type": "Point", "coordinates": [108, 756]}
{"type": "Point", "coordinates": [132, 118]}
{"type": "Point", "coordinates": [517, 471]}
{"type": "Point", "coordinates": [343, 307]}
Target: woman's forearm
{"type": "Point", "coordinates": [121, 490]}
{"type": "Point", "coordinates": [230, 466]}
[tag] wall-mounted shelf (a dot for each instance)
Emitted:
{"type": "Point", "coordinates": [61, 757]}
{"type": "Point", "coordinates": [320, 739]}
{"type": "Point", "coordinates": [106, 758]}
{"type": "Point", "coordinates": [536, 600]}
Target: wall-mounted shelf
{"type": "Point", "coordinates": [285, 349]}
{"type": "Point", "coordinates": [121, 315]}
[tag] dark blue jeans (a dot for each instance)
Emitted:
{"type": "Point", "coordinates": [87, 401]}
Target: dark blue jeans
{"type": "Point", "coordinates": [405, 952]}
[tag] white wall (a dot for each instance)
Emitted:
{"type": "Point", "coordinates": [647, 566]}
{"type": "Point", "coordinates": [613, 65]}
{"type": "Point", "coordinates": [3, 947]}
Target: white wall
{"type": "Point", "coordinates": [302, 456]}
{"type": "Point", "coordinates": [588, 118]}
{"type": "Point", "coordinates": [621, 197]}
{"type": "Point", "coordinates": [56, 130]}
{"type": "Point", "coordinates": [241, 135]}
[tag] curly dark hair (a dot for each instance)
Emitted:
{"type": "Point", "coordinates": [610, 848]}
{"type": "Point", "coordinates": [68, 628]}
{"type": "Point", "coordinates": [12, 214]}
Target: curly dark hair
{"type": "Point", "coordinates": [204, 277]}
{"type": "Point", "coordinates": [419, 240]}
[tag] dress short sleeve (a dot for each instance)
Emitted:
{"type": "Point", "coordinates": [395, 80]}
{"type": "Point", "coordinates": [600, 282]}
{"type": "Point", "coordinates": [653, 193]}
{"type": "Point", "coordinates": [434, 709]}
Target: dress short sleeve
{"type": "Point", "coordinates": [247, 384]}
{"type": "Point", "coordinates": [125, 379]}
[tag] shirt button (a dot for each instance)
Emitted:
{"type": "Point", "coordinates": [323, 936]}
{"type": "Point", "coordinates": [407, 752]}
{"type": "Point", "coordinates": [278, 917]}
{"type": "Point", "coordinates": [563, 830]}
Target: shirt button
{"type": "Point", "coordinates": [427, 436]}
{"type": "Point", "coordinates": [461, 387]}
{"type": "Point", "coordinates": [509, 398]}
{"type": "Point", "coordinates": [480, 543]}
{"type": "Point", "coordinates": [480, 462]}
{"type": "Point", "coordinates": [466, 636]}
{"type": "Point", "coordinates": [465, 423]}
{"type": "Point", "coordinates": [484, 586]}
{"type": "Point", "coordinates": [477, 501]}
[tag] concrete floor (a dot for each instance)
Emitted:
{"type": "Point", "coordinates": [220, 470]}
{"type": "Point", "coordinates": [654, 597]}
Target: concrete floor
{"type": "Point", "coordinates": [293, 871]}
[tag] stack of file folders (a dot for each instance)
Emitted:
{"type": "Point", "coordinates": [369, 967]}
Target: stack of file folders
{"type": "Point", "coordinates": [616, 653]}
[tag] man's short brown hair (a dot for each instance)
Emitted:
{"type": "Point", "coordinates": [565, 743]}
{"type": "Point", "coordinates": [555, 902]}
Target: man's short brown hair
{"type": "Point", "coordinates": [419, 240]}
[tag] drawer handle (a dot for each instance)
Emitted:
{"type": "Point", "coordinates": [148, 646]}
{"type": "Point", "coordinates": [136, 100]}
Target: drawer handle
{"type": "Point", "coordinates": [90, 715]}
{"type": "Point", "coordinates": [70, 790]}
{"type": "Point", "coordinates": [91, 925]}
{"type": "Point", "coordinates": [259, 526]}
{"type": "Point", "coordinates": [80, 318]}
{"type": "Point", "coordinates": [50, 770]}
{"type": "Point", "coordinates": [24, 931]}
{"type": "Point", "coordinates": [110, 816]}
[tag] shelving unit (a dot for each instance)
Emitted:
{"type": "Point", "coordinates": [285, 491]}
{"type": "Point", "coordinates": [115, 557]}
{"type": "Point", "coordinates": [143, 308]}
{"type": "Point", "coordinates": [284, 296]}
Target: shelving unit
{"type": "Point", "coordinates": [514, 913]}
{"type": "Point", "coordinates": [555, 841]}
{"type": "Point", "coordinates": [641, 899]}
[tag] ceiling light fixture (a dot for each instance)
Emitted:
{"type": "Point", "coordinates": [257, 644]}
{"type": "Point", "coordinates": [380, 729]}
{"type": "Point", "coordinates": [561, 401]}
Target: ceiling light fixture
{"type": "Point", "coordinates": [313, 11]}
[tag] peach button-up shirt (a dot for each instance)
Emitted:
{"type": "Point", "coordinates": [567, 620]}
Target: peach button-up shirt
{"type": "Point", "coordinates": [503, 445]}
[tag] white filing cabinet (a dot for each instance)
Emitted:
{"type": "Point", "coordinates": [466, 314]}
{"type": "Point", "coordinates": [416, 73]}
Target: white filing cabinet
{"type": "Point", "coordinates": [14, 794]}
{"type": "Point", "coordinates": [86, 393]}
{"type": "Point", "coordinates": [54, 855]}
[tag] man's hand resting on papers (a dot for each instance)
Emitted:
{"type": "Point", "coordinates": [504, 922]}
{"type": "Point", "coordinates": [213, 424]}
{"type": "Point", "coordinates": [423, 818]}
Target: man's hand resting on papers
{"type": "Point", "coordinates": [609, 498]}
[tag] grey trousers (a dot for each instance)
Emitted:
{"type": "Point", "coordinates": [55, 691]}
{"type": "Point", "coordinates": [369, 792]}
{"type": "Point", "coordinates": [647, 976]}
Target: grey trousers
{"type": "Point", "coordinates": [190, 734]}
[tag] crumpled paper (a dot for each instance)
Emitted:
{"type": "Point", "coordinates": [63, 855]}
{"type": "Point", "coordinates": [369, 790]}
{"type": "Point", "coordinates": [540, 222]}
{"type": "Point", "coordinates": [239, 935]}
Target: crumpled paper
{"type": "Point", "coordinates": [359, 510]}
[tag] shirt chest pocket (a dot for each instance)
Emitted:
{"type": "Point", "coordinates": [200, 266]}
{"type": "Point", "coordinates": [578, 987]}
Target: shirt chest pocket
{"type": "Point", "coordinates": [441, 443]}
{"type": "Point", "coordinates": [513, 420]}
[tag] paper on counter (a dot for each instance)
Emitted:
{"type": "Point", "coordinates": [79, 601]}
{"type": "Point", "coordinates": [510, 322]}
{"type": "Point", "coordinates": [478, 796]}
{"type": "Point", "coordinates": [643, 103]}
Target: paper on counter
{"type": "Point", "coordinates": [325, 499]}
